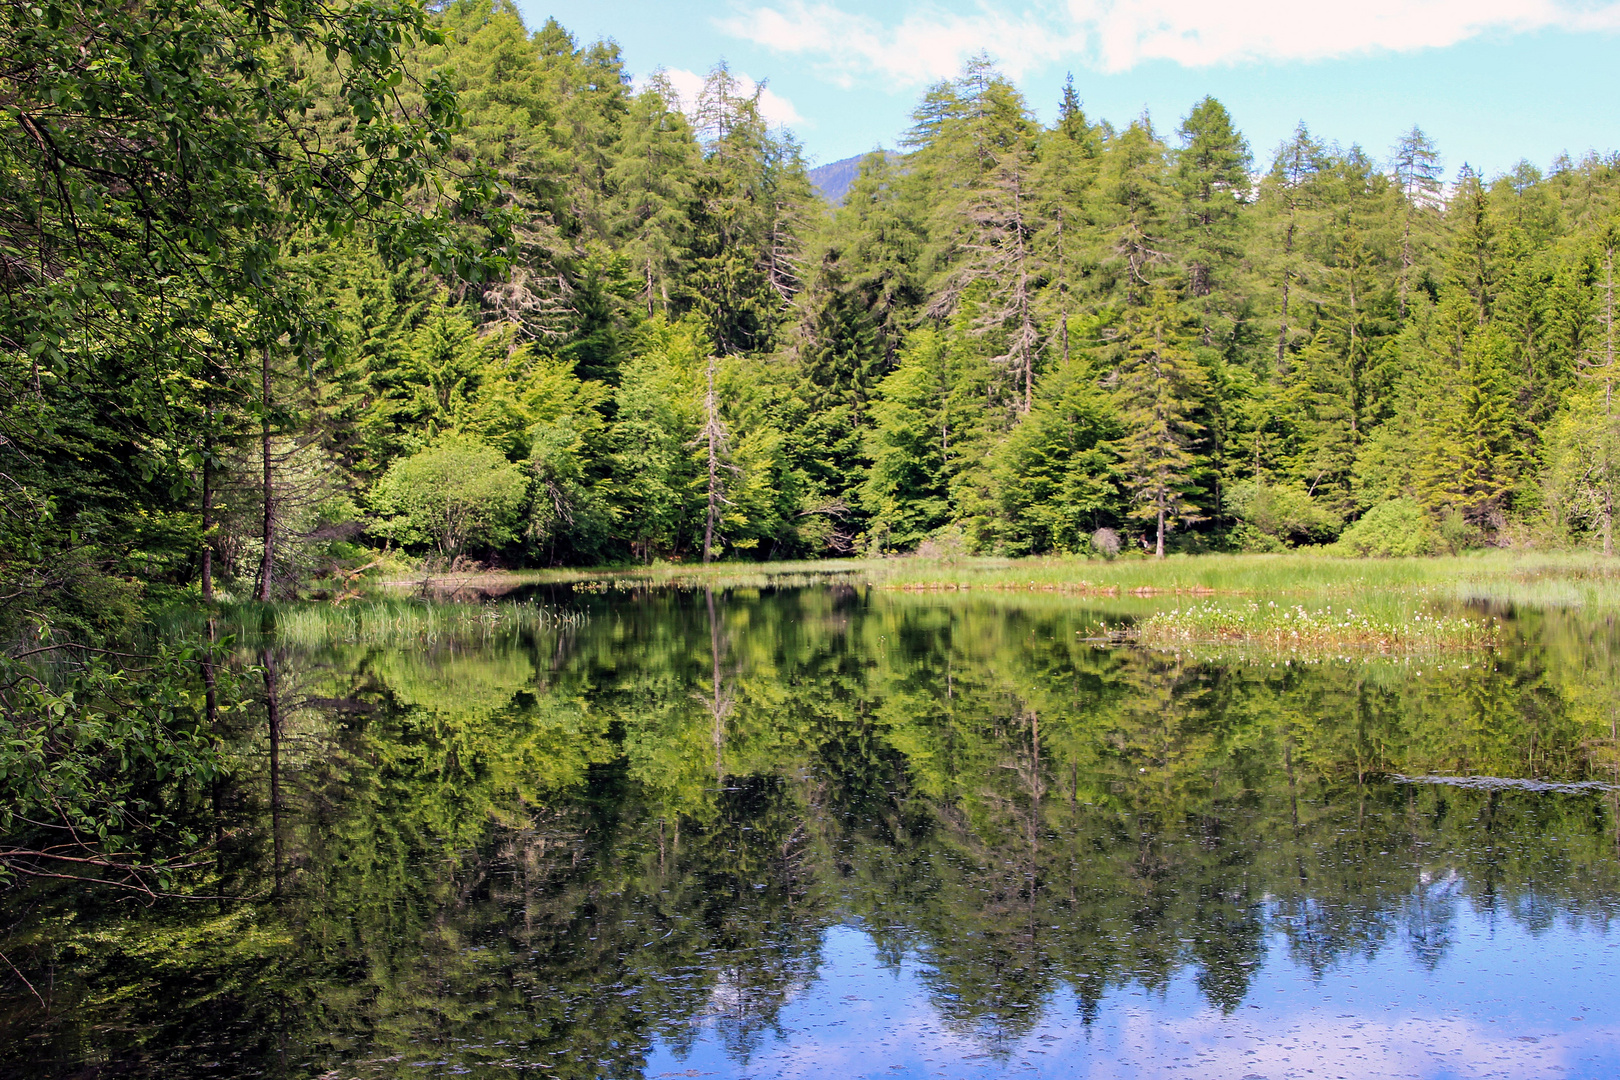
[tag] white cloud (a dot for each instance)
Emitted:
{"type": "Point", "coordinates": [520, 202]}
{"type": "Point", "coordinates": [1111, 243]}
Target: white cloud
{"type": "Point", "coordinates": [688, 87]}
{"type": "Point", "coordinates": [1116, 35]}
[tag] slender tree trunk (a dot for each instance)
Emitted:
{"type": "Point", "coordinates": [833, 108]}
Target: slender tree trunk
{"type": "Point", "coordinates": [210, 688]}
{"type": "Point", "coordinates": [713, 429]}
{"type": "Point", "coordinates": [208, 508]}
{"type": "Point", "coordinates": [1608, 324]}
{"type": "Point", "coordinates": [1063, 290]}
{"type": "Point", "coordinates": [1355, 368]}
{"type": "Point", "coordinates": [1406, 256]}
{"type": "Point", "coordinates": [1608, 404]}
{"type": "Point", "coordinates": [267, 568]}
{"type": "Point", "coordinates": [1608, 516]}
{"type": "Point", "coordinates": [1026, 328]}
{"type": "Point", "coordinates": [1282, 328]}
{"type": "Point", "coordinates": [1158, 551]}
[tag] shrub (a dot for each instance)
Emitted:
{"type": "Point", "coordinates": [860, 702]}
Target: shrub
{"type": "Point", "coordinates": [1286, 514]}
{"type": "Point", "coordinates": [1459, 533]}
{"type": "Point", "coordinates": [1248, 538]}
{"type": "Point", "coordinates": [456, 494]}
{"type": "Point", "coordinates": [1396, 529]}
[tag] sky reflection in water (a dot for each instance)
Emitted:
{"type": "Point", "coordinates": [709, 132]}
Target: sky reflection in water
{"type": "Point", "coordinates": [1501, 1002]}
{"type": "Point", "coordinates": [840, 833]}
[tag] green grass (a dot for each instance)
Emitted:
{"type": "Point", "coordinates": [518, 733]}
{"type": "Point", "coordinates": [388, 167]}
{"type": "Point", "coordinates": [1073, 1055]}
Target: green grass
{"type": "Point", "coordinates": [1302, 571]}
{"type": "Point", "coordinates": [1589, 583]}
{"type": "Point", "coordinates": [1525, 579]}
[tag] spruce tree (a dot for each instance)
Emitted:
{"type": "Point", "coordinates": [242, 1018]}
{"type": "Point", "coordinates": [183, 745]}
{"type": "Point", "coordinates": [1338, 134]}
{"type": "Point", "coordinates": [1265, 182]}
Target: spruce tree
{"type": "Point", "coordinates": [907, 491]}
{"type": "Point", "coordinates": [880, 241]}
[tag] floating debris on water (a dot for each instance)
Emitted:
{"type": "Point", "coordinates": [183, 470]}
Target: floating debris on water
{"type": "Point", "coordinates": [1507, 783]}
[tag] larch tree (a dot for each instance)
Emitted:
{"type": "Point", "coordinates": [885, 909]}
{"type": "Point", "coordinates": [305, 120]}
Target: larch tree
{"type": "Point", "coordinates": [652, 177]}
{"type": "Point", "coordinates": [1158, 387]}
{"type": "Point", "coordinates": [1212, 186]}
{"type": "Point", "coordinates": [1417, 175]}
{"type": "Point", "coordinates": [1288, 197]}
{"type": "Point", "coordinates": [1135, 217]}
{"type": "Point", "coordinates": [1065, 184]}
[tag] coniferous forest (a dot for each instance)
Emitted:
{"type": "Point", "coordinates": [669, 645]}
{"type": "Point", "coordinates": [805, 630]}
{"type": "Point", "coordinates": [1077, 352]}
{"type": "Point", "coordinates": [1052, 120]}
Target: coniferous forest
{"type": "Point", "coordinates": [289, 290]}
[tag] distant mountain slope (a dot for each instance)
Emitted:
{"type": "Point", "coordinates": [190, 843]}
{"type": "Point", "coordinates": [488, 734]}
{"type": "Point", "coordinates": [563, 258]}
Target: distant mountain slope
{"type": "Point", "coordinates": [832, 181]}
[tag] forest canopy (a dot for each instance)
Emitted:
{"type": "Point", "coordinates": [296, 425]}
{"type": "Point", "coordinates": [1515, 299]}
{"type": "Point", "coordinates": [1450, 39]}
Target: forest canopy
{"type": "Point", "coordinates": [275, 277]}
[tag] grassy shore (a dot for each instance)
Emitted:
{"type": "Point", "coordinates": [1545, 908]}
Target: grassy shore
{"type": "Point", "coordinates": [1297, 602]}
{"type": "Point", "coordinates": [1525, 579]}
{"type": "Point", "coordinates": [1505, 577]}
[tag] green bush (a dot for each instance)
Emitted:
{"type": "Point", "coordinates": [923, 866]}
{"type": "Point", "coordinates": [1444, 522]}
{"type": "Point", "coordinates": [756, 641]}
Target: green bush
{"type": "Point", "coordinates": [1459, 533]}
{"type": "Point", "coordinates": [457, 494]}
{"type": "Point", "coordinates": [1245, 537]}
{"type": "Point", "coordinates": [1287, 515]}
{"type": "Point", "coordinates": [1396, 529]}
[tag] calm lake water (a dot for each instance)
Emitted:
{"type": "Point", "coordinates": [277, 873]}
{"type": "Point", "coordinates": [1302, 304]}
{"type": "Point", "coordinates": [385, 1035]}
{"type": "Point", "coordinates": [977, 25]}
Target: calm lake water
{"type": "Point", "coordinates": [842, 832]}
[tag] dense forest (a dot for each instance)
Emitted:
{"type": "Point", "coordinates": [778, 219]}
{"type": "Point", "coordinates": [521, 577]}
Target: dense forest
{"type": "Point", "coordinates": [289, 290]}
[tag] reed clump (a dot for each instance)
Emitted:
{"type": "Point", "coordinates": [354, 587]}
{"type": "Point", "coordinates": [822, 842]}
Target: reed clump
{"type": "Point", "coordinates": [382, 621]}
{"type": "Point", "coordinates": [393, 623]}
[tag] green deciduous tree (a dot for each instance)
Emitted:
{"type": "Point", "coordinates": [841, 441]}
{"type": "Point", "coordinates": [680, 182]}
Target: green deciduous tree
{"type": "Point", "coordinates": [457, 494]}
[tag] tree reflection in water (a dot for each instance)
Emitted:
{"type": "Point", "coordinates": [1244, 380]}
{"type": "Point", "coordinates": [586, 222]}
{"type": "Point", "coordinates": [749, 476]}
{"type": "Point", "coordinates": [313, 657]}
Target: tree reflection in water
{"type": "Point", "coordinates": [562, 849]}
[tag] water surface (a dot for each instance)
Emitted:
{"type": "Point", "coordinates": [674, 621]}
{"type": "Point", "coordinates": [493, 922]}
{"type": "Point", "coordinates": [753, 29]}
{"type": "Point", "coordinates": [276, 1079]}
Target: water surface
{"type": "Point", "coordinates": [835, 831]}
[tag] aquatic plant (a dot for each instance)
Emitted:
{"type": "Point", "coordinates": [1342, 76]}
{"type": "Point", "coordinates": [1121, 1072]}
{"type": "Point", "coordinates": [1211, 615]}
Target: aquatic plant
{"type": "Point", "coordinates": [1282, 626]}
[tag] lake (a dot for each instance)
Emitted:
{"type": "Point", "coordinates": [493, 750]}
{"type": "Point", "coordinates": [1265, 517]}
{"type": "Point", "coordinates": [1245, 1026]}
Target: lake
{"type": "Point", "coordinates": [840, 831]}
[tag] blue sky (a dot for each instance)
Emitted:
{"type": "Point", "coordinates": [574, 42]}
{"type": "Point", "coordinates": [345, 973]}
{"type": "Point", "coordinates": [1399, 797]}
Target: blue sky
{"type": "Point", "coordinates": [1491, 81]}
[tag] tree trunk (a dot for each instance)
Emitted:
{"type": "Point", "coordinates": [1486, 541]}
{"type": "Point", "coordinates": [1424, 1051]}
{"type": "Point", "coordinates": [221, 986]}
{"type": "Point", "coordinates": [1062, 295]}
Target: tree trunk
{"type": "Point", "coordinates": [1158, 552]}
{"type": "Point", "coordinates": [268, 567]}
{"type": "Point", "coordinates": [208, 509]}
{"type": "Point", "coordinates": [1608, 404]}
{"type": "Point", "coordinates": [1608, 517]}
{"type": "Point", "coordinates": [712, 426]}
{"type": "Point", "coordinates": [1026, 326]}
{"type": "Point", "coordinates": [1282, 329]}
{"type": "Point", "coordinates": [1406, 257]}
{"type": "Point", "coordinates": [1063, 291]}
